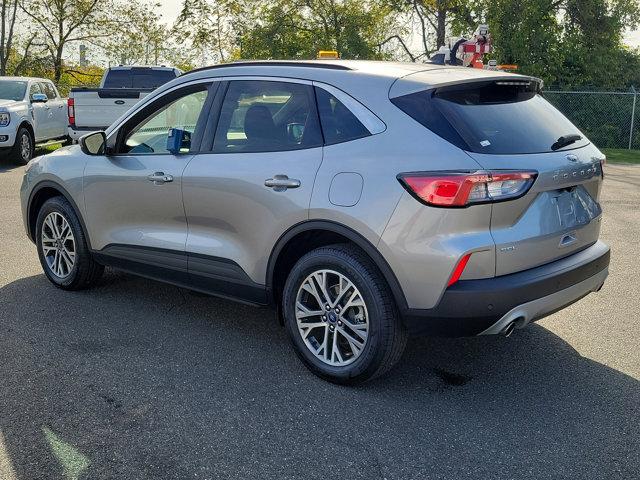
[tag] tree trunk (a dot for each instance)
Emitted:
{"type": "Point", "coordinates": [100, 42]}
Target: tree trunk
{"type": "Point", "coordinates": [441, 32]}
{"type": "Point", "coordinates": [57, 65]}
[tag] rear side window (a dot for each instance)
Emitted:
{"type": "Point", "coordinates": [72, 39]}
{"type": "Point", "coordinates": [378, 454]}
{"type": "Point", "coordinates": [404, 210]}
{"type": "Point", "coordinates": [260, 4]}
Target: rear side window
{"type": "Point", "coordinates": [265, 116]}
{"type": "Point", "coordinates": [339, 124]}
{"type": "Point", "coordinates": [146, 78]}
{"type": "Point", "coordinates": [491, 117]}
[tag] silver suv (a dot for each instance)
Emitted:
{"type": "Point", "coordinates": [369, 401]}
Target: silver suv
{"type": "Point", "coordinates": [364, 201]}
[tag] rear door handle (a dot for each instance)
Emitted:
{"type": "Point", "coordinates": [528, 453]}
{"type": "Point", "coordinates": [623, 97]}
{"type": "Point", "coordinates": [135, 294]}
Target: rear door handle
{"type": "Point", "coordinates": [281, 182]}
{"type": "Point", "coordinates": [159, 178]}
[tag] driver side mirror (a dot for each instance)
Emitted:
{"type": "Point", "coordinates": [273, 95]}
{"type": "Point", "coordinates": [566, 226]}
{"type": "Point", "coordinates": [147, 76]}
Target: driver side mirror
{"type": "Point", "coordinates": [39, 98]}
{"type": "Point", "coordinates": [93, 143]}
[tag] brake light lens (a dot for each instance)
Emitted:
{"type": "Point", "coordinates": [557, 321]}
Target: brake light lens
{"type": "Point", "coordinates": [71, 111]}
{"type": "Point", "coordinates": [461, 189]}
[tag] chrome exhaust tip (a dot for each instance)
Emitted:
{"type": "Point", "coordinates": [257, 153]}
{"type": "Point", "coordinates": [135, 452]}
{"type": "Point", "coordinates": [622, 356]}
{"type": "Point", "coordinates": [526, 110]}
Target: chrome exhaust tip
{"type": "Point", "coordinates": [508, 330]}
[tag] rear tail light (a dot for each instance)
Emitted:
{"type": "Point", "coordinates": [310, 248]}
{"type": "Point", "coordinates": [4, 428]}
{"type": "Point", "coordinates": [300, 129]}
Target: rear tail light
{"type": "Point", "coordinates": [461, 189]}
{"type": "Point", "coordinates": [71, 111]}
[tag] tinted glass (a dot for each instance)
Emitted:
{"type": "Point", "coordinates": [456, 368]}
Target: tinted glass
{"type": "Point", "coordinates": [262, 116]}
{"type": "Point", "coordinates": [47, 88]}
{"type": "Point", "coordinates": [152, 78]}
{"type": "Point", "coordinates": [10, 90]}
{"type": "Point", "coordinates": [150, 136]}
{"type": "Point", "coordinates": [138, 78]}
{"type": "Point", "coordinates": [339, 124]}
{"type": "Point", "coordinates": [118, 79]}
{"type": "Point", "coordinates": [491, 118]}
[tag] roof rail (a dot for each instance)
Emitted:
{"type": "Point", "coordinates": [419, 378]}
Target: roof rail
{"type": "Point", "coordinates": [273, 63]}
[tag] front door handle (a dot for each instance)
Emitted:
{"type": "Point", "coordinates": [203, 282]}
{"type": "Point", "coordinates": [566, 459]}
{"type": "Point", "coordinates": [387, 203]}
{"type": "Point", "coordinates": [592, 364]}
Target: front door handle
{"type": "Point", "coordinates": [159, 178]}
{"type": "Point", "coordinates": [281, 182]}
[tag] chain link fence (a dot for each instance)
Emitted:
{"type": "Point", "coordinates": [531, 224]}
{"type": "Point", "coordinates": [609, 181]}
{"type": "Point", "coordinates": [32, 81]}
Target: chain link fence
{"type": "Point", "coordinates": [609, 119]}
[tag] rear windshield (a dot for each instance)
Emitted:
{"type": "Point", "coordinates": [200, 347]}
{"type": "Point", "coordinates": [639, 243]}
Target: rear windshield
{"type": "Point", "coordinates": [138, 78]}
{"type": "Point", "coordinates": [493, 117]}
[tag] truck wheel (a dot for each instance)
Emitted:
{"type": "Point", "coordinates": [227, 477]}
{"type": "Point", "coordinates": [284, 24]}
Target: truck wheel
{"type": "Point", "coordinates": [62, 247]}
{"type": "Point", "coordinates": [22, 150]}
{"type": "Point", "coordinates": [341, 317]}
{"type": "Point", "coordinates": [67, 141]}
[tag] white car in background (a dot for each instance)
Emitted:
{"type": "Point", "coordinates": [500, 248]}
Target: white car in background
{"type": "Point", "coordinates": [31, 112]}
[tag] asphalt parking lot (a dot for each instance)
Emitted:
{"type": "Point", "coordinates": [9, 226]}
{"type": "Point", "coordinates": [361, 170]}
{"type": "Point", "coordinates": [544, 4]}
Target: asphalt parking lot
{"type": "Point", "coordinates": [138, 380]}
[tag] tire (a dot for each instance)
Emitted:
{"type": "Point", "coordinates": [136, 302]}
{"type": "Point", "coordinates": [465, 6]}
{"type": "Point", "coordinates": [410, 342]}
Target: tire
{"type": "Point", "coordinates": [373, 314]}
{"type": "Point", "coordinates": [67, 141]}
{"type": "Point", "coordinates": [67, 264]}
{"type": "Point", "coordinates": [23, 147]}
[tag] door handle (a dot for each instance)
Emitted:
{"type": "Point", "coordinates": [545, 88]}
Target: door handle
{"type": "Point", "coordinates": [281, 182]}
{"type": "Point", "coordinates": [159, 178]}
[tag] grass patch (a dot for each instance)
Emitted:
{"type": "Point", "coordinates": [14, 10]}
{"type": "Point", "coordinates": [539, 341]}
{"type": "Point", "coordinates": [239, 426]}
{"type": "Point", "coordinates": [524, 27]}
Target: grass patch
{"type": "Point", "coordinates": [615, 155]}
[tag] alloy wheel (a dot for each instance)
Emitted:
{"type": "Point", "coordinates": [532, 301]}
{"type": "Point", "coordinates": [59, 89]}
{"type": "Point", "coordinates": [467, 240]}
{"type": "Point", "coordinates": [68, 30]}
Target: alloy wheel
{"type": "Point", "coordinates": [25, 147]}
{"type": "Point", "coordinates": [332, 317]}
{"type": "Point", "coordinates": [58, 245]}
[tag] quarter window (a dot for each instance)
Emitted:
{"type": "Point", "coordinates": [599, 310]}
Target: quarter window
{"type": "Point", "coordinates": [339, 124]}
{"type": "Point", "coordinates": [150, 135]}
{"type": "Point", "coordinates": [265, 116]}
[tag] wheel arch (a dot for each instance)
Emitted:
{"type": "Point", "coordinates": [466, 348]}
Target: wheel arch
{"type": "Point", "coordinates": [26, 124]}
{"type": "Point", "coordinates": [42, 192]}
{"type": "Point", "coordinates": [306, 236]}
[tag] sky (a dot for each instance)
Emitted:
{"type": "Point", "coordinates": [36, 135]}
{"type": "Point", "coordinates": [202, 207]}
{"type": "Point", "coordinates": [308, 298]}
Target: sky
{"type": "Point", "coordinates": [171, 8]}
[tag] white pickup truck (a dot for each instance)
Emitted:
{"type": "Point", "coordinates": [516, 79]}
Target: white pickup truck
{"type": "Point", "coordinates": [93, 109]}
{"type": "Point", "coordinates": [31, 112]}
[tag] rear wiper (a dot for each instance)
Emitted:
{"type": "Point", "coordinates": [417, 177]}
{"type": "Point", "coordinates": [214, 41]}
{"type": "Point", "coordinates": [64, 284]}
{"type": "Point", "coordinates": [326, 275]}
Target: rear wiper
{"type": "Point", "coordinates": [565, 141]}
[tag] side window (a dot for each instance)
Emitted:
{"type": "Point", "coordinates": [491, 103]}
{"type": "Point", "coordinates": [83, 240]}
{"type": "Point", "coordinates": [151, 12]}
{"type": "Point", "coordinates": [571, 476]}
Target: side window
{"type": "Point", "coordinates": [338, 123]}
{"type": "Point", "coordinates": [265, 116]}
{"type": "Point", "coordinates": [149, 136]}
{"type": "Point", "coordinates": [35, 88]}
{"type": "Point", "coordinates": [49, 90]}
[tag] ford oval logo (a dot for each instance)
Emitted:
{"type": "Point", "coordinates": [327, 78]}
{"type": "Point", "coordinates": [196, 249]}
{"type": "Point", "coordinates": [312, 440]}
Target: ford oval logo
{"type": "Point", "coordinates": [572, 158]}
{"type": "Point", "coordinates": [119, 102]}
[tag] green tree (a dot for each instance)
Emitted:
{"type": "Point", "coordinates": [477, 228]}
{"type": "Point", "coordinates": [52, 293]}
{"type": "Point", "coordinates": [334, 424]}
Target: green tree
{"type": "Point", "coordinates": [140, 37]}
{"type": "Point", "coordinates": [207, 25]}
{"type": "Point", "coordinates": [299, 29]}
{"type": "Point", "coordinates": [61, 23]}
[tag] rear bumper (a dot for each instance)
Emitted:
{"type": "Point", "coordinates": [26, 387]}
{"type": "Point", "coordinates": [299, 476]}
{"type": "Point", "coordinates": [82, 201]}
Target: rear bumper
{"type": "Point", "coordinates": [76, 132]}
{"type": "Point", "coordinates": [485, 307]}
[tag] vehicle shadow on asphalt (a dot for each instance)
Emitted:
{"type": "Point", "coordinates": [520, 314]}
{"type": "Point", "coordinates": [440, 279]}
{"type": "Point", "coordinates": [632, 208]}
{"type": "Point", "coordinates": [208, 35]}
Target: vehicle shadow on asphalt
{"type": "Point", "coordinates": [136, 379]}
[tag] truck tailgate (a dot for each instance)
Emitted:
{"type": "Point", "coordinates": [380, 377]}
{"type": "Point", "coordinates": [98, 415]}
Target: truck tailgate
{"type": "Point", "coordinates": [99, 108]}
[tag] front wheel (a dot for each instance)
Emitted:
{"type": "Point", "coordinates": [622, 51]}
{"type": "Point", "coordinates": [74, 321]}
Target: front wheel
{"type": "Point", "coordinates": [62, 247]}
{"type": "Point", "coordinates": [341, 317]}
{"type": "Point", "coordinates": [23, 148]}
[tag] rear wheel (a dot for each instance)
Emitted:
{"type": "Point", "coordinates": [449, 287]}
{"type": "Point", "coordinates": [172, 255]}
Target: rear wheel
{"type": "Point", "coordinates": [62, 247]}
{"type": "Point", "coordinates": [23, 147]}
{"type": "Point", "coordinates": [341, 317]}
